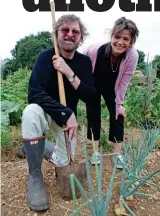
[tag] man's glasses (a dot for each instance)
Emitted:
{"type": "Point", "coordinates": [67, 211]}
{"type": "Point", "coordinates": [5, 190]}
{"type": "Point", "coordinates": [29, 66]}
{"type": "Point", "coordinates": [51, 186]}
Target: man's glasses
{"type": "Point", "coordinates": [65, 32]}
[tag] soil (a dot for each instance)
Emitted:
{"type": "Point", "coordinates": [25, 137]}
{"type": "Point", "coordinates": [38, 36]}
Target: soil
{"type": "Point", "coordinates": [14, 184]}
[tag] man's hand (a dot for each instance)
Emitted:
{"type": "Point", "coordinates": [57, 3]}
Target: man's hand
{"type": "Point", "coordinates": [71, 127]}
{"type": "Point", "coordinates": [61, 66]}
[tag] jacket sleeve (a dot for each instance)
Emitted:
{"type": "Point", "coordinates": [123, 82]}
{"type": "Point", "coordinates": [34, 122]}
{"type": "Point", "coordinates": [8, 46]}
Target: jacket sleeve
{"type": "Point", "coordinates": [91, 52]}
{"type": "Point", "coordinates": [86, 88]}
{"type": "Point", "coordinates": [37, 92]}
{"type": "Point", "coordinates": [126, 79]}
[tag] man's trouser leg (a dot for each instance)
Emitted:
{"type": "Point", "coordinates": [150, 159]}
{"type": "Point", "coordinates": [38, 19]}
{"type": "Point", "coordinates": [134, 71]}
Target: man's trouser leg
{"type": "Point", "coordinates": [59, 157]}
{"type": "Point", "coordinates": [34, 124]}
{"type": "Point", "coordinates": [33, 127]}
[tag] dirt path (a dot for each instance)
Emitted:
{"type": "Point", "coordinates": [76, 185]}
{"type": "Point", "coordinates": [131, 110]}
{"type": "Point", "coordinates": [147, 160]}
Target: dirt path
{"type": "Point", "coordinates": [14, 180]}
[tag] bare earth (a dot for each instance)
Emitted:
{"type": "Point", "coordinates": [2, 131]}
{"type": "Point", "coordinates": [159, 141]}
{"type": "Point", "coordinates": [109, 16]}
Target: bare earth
{"type": "Point", "coordinates": [14, 183]}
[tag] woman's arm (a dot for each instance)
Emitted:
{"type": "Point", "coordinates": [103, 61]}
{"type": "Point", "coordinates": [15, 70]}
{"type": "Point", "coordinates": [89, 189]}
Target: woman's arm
{"type": "Point", "coordinates": [129, 71]}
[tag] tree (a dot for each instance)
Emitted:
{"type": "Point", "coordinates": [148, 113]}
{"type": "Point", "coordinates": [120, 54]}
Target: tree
{"type": "Point", "coordinates": [8, 67]}
{"type": "Point", "coordinates": [28, 51]}
{"type": "Point", "coordinates": [141, 60]}
{"type": "Point", "coordinates": [25, 52]}
{"type": "Point", "coordinates": [156, 63]}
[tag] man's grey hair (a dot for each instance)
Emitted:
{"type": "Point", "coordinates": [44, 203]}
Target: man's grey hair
{"type": "Point", "coordinates": [71, 18]}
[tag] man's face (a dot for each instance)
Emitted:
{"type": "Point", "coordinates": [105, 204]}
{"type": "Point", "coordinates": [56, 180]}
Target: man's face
{"type": "Point", "coordinates": [121, 42]}
{"type": "Point", "coordinates": [69, 36]}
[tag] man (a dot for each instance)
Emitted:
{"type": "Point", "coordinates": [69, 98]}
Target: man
{"type": "Point", "coordinates": [44, 108]}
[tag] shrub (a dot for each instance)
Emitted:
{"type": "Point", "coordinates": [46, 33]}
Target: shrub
{"type": "Point", "coordinates": [15, 89]}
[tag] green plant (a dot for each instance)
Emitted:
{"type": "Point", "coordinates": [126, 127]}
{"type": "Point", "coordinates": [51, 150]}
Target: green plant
{"type": "Point", "coordinates": [155, 102]}
{"type": "Point", "coordinates": [142, 103]}
{"type": "Point", "coordinates": [7, 108]}
{"type": "Point", "coordinates": [15, 89]}
{"type": "Point", "coordinates": [134, 104]}
{"type": "Point", "coordinates": [104, 111]}
{"type": "Point", "coordinates": [6, 137]}
{"type": "Point", "coordinates": [97, 204]}
{"type": "Point", "coordinates": [136, 156]}
{"type": "Point", "coordinates": [107, 147]}
{"type": "Point", "coordinates": [156, 63]}
{"type": "Point", "coordinates": [81, 114]}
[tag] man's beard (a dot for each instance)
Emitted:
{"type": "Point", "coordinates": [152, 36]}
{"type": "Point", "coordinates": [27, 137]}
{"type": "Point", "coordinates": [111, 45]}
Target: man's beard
{"type": "Point", "coordinates": [74, 48]}
{"type": "Point", "coordinates": [69, 48]}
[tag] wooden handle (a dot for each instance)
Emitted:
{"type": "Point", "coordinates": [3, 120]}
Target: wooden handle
{"type": "Point", "coordinates": [60, 77]}
{"type": "Point", "coordinates": [60, 80]}
{"type": "Point", "coordinates": [68, 147]}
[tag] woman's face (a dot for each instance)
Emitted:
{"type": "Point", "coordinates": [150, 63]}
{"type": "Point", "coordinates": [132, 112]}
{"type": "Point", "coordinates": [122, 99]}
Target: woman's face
{"type": "Point", "coordinates": [120, 42]}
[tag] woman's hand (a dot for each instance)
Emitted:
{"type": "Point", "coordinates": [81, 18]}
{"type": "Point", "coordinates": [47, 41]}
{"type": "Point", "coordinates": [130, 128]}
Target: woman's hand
{"type": "Point", "coordinates": [122, 112]}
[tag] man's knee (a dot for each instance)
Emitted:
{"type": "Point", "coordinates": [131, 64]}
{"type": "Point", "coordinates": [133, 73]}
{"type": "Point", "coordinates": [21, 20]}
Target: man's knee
{"type": "Point", "coordinates": [34, 123]}
{"type": "Point", "coordinates": [32, 111]}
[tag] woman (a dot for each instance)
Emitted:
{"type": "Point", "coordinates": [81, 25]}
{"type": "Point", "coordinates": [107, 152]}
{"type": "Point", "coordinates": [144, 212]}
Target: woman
{"type": "Point", "coordinates": [113, 64]}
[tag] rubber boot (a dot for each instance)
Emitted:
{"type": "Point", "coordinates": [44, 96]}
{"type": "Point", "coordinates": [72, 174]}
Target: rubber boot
{"type": "Point", "coordinates": [48, 150]}
{"type": "Point", "coordinates": [37, 197]}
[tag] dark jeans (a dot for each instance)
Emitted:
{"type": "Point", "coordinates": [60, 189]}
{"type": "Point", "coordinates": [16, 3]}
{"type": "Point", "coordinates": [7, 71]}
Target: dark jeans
{"type": "Point", "coordinates": [116, 130]}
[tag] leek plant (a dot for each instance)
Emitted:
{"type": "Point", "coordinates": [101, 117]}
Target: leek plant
{"type": "Point", "coordinates": [97, 202]}
{"type": "Point", "coordinates": [136, 156]}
